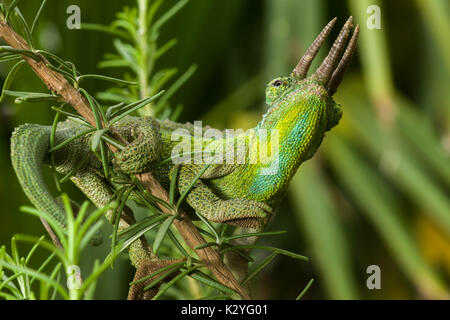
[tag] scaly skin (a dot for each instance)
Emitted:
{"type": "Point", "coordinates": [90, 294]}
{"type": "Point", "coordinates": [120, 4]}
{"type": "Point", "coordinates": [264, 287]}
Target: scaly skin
{"type": "Point", "coordinates": [301, 111]}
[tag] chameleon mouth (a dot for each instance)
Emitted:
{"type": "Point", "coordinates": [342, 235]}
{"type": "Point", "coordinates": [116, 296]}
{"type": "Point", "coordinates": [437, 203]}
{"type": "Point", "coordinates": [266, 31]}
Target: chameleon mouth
{"type": "Point", "coordinates": [333, 67]}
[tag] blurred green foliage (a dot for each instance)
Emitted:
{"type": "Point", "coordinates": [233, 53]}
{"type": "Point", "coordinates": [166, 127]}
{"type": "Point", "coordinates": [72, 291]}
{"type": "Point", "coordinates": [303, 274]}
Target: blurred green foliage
{"type": "Point", "coordinates": [377, 192]}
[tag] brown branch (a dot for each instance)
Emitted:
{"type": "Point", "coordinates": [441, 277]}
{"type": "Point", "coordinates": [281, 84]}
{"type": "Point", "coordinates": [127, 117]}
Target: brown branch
{"type": "Point", "coordinates": [58, 84]}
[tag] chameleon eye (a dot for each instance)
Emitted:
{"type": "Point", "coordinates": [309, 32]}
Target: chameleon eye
{"type": "Point", "coordinates": [277, 83]}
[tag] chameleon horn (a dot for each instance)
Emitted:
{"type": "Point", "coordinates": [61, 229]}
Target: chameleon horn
{"type": "Point", "coordinates": [303, 65]}
{"type": "Point", "coordinates": [338, 74]}
{"type": "Point", "coordinates": [323, 73]}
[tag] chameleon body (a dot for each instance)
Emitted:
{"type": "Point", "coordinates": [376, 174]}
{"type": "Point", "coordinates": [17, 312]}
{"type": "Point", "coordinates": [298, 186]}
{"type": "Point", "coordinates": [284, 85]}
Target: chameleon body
{"type": "Point", "coordinates": [301, 110]}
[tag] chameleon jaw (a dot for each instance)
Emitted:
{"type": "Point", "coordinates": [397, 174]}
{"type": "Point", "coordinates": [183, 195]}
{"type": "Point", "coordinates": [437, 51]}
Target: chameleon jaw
{"type": "Point", "coordinates": [333, 67]}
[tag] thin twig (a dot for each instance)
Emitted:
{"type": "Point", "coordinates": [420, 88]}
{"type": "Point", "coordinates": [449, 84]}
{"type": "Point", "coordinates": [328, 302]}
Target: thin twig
{"type": "Point", "coordinates": [58, 84]}
{"type": "Point", "coordinates": [51, 233]}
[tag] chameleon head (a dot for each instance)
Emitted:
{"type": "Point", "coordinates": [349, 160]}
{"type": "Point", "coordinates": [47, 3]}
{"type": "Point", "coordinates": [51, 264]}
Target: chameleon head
{"type": "Point", "coordinates": [299, 95]}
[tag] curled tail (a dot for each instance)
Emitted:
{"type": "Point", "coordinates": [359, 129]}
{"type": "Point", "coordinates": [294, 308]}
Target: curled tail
{"type": "Point", "coordinates": [29, 147]}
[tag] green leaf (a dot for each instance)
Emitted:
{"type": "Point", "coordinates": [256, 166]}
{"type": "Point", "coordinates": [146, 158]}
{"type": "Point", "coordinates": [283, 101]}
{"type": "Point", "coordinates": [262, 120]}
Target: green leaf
{"type": "Point", "coordinates": [8, 283]}
{"type": "Point", "coordinates": [172, 282]}
{"type": "Point", "coordinates": [54, 57]}
{"type": "Point", "coordinates": [98, 270]}
{"type": "Point", "coordinates": [173, 184]}
{"type": "Point", "coordinates": [122, 198]}
{"type": "Point", "coordinates": [141, 230]}
{"type": "Point", "coordinates": [33, 273]}
{"type": "Point", "coordinates": [113, 142]}
{"type": "Point", "coordinates": [31, 96]}
{"type": "Point", "coordinates": [82, 233]}
{"type": "Point", "coordinates": [10, 57]}
{"type": "Point", "coordinates": [126, 51]}
{"type": "Point", "coordinates": [89, 292]}
{"type": "Point", "coordinates": [14, 250]}
{"type": "Point", "coordinates": [75, 137]}
{"type": "Point", "coordinates": [166, 16]}
{"type": "Point", "coordinates": [161, 77]}
{"type": "Point", "coordinates": [105, 78]}
{"type": "Point", "coordinates": [97, 138]}
{"type": "Point", "coordinates": [137, 105]}
{"type": "Point", "coordinates": [52, 156]}
{"type": "Point", "coordinates": [162, 233]}
{"type": "Point", "coordinates": [24, 52]}
{"type": "Point", "coordinates": [10, 8]}
{"type": "Point", "coordinates": [43, 265]}
{"type": "Point", "coordinates": [24, 26]}
{"type": "Point", "coordinates": [105, 29]}
{"type": "Point", "coordinates": [310, 283]}
{"type": "Point", "coordinates": [55, 274]}
{"type": "Point", "coordinates": [38, 14]}
{"type": "Point", "coordinates": [161, 278]}
{"type": "Point", "coordinates": [114, 97]}
{"type": "Point", "coordinates": [203, 278]}
{"type": "Point", "coordinates": [177, 244]}
{"type": "Point", "coordinates": [278, 250]}
{"type": "Point", "coordinates": [33, 249]}
{"type": "Point", "coordinates": [154, 6]}
{"type": "Point", "coordinates": [90, 234]}
{"type": "Point", "coordinates": [210, 227]}
{"type": "Point", "coordinates": [73, 116]}
{"type": "Point", "coordinates": [177, 112]}
{"type": "Point", "coordinates": [166, 47]}
{"type": "Point", "coordinates": [144, 223]}
{"type": "Point", "coordinates": [2, 254]}
{"type": "Point", "coordinates": [256, 270]}
{"type": "Point", "coordinates": [111, 110]}
{"type": "Point", "coordinates": [206, 245]}
{"type": "Point", "coordinates": [126, 25]}
{"type": "Point", "coordinates": [174, 88]}
{"type": "Point", "coordinates": [116, 63]}
{"type": "Point", "coordinates": [256, 234]}
{"type": "Point", "coordinates": [176, 265]}
{"type": "Point", "coordinates": [10, 77]}
{"type": "Point", "coordinates": [63, 72]}
{"type": "Point", "coordinates": [96, 110]}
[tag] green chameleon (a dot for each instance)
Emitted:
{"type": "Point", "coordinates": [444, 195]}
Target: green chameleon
{"type": "Point", "coordinates": [301, 111]}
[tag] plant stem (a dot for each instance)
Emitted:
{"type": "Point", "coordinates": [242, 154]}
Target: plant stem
{"type": "Point", "coordinates": [145, 48]}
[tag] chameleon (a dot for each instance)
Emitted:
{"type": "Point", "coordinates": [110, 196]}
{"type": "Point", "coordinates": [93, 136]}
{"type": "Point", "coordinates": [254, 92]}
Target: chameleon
{"type": "Point", "coordinates": [301, 109]}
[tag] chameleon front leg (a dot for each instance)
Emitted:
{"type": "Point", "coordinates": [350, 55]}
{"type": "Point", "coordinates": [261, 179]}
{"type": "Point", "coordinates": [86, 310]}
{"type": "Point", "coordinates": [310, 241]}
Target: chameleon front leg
{"type": "Point", "coordinates": [144, 135]}
{"type": "Point", "coordinates": [238, 211]}
{"type": "Point", "coordinates": [249, 215]}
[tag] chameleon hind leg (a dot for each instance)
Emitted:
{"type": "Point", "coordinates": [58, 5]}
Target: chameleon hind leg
{"type": "Point", "coordinates": [100, 193]}
{"type": "Point", "coordinates": [242, 212]}
{"type": "Point", "coordinates": [145, 262]}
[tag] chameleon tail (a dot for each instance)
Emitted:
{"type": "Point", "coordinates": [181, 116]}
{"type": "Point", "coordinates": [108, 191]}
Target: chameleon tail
{"type": "Point", "coordinates": [29, 147]}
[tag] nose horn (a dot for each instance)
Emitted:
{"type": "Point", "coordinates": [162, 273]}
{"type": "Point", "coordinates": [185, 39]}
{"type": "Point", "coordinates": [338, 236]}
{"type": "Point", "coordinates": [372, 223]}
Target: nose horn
{"type": "Point", "coordinates": [338, 73]}
{"type": "Point", "coordinates": [333, 67]}
{"type": "Point", "coordinates": [303, 65]}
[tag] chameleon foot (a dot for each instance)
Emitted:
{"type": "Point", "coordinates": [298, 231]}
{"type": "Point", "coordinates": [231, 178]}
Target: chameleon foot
{"type": "Point", "coordinates": [146, 268]}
